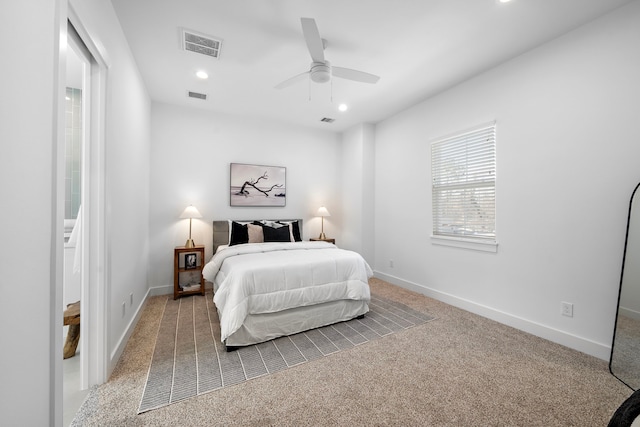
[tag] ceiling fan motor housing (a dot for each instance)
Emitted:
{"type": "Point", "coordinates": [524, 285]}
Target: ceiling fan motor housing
{"type": "Point", "coordinates": [320, 72]}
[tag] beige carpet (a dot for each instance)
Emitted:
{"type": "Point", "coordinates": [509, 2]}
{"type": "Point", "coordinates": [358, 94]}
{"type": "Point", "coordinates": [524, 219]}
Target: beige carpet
{"type": "Point", "coordinates": [190, 360]}
{"type": "Point", "coordinates": [462, 370]}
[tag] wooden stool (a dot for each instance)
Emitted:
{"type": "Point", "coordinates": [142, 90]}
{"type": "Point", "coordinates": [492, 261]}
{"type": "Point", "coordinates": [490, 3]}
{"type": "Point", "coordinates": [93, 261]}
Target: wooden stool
{"type": "Point", "coordinates": [72, 318]}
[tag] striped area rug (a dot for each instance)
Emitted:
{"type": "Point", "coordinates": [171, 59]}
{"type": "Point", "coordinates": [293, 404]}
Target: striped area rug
{"type": "Point", "coordinates": [190, 360]}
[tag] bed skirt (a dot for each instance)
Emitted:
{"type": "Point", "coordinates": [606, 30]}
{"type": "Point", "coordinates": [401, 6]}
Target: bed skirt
{"type": "Point", "coordinates": [264, 327]}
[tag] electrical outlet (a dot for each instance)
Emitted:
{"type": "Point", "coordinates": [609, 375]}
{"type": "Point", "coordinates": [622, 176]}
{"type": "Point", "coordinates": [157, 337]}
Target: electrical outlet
{"type": "Point", "coordinates": [567, 309]}
{"type": "Point", "coordinates": [124, 308]}
{"type": "Point", "coordinates": [391, 263]}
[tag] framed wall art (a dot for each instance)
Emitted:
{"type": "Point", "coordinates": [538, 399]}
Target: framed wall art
{"type": "Point", "coordinates": [257, 185]}
{"type": "Point", "coordinates": [190, 261]}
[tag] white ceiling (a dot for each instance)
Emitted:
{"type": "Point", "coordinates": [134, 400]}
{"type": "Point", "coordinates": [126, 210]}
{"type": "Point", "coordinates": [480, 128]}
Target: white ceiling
{"type": "Point", "coordinates": [417, 47]}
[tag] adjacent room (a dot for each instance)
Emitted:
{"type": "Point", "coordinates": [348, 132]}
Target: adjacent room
{"type": "Point", "coordinates": [466, 169]}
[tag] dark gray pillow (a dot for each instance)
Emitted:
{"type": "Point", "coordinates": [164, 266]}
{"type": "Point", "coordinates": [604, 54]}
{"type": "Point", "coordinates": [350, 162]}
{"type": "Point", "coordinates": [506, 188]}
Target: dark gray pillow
{"type": "Point", "coordinates": [295, 229]}
{"type": "Point", "coordinates": [239, 234]}
{"type": "Point", "coordinates": [281, 234]}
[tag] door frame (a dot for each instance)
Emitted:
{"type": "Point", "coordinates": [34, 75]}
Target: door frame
{"type": "Point", "coordinates": [94, 276]}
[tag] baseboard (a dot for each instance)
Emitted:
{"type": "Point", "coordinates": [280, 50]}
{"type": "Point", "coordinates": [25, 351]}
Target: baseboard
{"type": "Point", "coordinates": [124, 338]}
{"type": "Point", "coordinates": [161, 290]}
{"type": "Point", "coordinates": [633, 314]}
{"type": "Point", "coordinates": [575, 342]}
{"type": "Point", "coordinates": [122, 342]}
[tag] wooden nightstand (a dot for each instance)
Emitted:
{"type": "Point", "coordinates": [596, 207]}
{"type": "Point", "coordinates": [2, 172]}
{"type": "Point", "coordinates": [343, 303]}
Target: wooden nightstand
{"type": "Point", "coordinates": [187, 271]}
{"type": "Point", "coordinates": [323, 240]}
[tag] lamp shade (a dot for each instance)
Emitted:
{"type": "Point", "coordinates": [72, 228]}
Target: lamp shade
{"type": "Point", "coordinates": [191, 212]}
{"type": "Point", "coordinates": [323, 212]}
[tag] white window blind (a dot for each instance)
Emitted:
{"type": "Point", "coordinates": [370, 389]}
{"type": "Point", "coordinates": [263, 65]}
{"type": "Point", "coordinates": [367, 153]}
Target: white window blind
{"type": "Point", "coordinates": [464, 184]}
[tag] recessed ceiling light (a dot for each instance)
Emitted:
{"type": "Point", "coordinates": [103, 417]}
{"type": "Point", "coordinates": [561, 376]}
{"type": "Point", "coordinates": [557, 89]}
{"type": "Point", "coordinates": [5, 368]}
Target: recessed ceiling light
{"type": "Point", "coordinates": [202, 75]}
{"type": "Point", "coordinates": [504, 1]}
{"type": "Point", "coordinates": [343, 107]}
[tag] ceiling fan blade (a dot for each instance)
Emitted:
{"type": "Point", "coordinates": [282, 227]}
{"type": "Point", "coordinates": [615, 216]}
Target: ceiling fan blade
{"type": "Point", "coordinates": [291, 81]}
{"type": "Point", "coordinates": [355, 75]}
{"type": "Point", "coordinates": [312, 37]}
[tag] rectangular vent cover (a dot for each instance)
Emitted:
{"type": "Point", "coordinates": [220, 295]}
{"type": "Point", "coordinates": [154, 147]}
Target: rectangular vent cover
{"type": "Point", "coordinates": [197, 95]}
{"type": "Point", "coordinates": [327, 120]}
{"type": "Point", "coordinates": [201, 43]}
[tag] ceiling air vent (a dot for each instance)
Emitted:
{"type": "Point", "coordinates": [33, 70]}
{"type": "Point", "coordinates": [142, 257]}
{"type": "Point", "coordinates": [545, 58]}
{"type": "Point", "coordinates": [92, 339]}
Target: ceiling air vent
{"type": "Point", "coordinates": [201, 43]}
{"type": "Point", "coordinates": [197, 95]}
{"type": "Point", "coordinates": [327, 120]}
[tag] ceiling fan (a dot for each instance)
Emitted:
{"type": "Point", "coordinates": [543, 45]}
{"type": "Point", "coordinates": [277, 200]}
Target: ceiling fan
{"type": "Point", "coordinates": [321, 70]}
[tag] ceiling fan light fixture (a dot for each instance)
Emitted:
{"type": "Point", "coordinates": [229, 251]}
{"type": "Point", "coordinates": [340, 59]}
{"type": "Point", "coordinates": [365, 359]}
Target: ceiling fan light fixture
{"type": "Point", "coordinates": [320, 73]}
{"type": "Point", "coordinates": [321, 70]}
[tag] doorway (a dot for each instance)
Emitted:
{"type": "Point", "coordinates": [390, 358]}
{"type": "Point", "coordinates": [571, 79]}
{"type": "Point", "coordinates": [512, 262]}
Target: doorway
{"type": "Point", "coordinates": [77, 136]}
{"type": "Point", "coordinates": [84, 276]}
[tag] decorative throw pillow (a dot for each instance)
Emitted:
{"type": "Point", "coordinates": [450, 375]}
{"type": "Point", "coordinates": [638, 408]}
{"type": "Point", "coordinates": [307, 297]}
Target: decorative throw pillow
{"type": "Point", "coordinates": [280, 234]}
{"type": "Point", "coordinates": [239, 234]}
{"type": "Point", "coordinates": [295, 230]}
{"type": "Point", "coordinates": [255, 233]}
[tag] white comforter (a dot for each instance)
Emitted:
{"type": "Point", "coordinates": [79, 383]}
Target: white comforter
{"type": "Point", "coordinates": [271, 277]}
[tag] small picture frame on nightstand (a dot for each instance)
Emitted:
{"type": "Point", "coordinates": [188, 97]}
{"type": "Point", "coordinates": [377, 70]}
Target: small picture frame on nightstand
{"type": "Point", "coordinates": [190, 261]}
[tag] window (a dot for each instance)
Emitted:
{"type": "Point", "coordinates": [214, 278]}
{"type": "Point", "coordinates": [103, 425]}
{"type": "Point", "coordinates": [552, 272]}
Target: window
{"type": "Point", "coordinates": [464, 188]}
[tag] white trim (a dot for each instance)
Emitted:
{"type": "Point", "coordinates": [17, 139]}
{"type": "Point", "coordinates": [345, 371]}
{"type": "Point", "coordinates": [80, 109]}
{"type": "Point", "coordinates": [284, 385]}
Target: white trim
{"type": "Point", "coordinates": [161, 290]}
{"type": "Point", "coordinates": [95, 270]}
{"type": "Point", "coordinates": [584, 345]}
{"type": "Point", "coordinates": [460, 242]}
{"type": "Point", "coordinates": [627, 312]}
{"type": "Point", "coordinates": [83, 248]}
{"type": "Point", "coordinates": [124, 338]}
{"type": "Point", "coordinates": [56, 286]}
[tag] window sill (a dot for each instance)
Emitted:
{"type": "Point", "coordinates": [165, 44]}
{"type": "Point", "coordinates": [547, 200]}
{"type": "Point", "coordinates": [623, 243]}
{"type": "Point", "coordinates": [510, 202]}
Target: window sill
{"type": "Point", "coordinates": [460, 242]}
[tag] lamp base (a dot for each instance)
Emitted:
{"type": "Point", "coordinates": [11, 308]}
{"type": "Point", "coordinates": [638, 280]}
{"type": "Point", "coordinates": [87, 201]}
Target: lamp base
{"type": "Point", "coordinates": [322, 236]}
{"type": "Point", "coordinates": [190, 244]}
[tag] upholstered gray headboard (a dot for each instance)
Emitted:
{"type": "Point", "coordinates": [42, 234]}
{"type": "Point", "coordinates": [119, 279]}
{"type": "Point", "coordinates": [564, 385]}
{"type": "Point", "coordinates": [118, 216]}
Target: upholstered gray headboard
{"type": "Point", "coordinates": [221, 231]}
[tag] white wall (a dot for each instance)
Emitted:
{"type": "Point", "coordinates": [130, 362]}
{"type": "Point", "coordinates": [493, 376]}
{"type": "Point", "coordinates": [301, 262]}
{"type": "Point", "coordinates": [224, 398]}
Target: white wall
{"type": "Point", "coordinates": [567, 163]}
{"type": "Point", "coordinates": [31, 264]}
{"type": "Point", "coordinates": [127, 172]}
{"type": "Point", "coordinates": [568, 147]}
{"type": "Point", "coordinates": [190, 157]}
{"type": "Point", "coordinates": [358, 182]}
{"type": "Point", "coordinates": [27, 178]}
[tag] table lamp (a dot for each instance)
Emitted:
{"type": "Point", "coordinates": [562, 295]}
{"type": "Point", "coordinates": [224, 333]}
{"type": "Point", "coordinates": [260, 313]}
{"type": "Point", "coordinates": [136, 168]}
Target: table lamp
{"type": "Point", "coordinates": [190, 212]}
{"type": "Point", "coordinates": [322, 212]}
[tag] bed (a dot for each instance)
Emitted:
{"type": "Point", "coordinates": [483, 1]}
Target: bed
{"type": "Point", "coordinates": [268, 282]}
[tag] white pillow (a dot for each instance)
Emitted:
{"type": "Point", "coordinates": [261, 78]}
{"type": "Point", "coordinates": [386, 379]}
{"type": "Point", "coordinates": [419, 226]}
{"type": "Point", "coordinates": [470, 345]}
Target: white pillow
{"type": "Point", "coordinates": [272, 224]}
